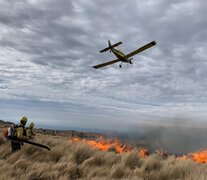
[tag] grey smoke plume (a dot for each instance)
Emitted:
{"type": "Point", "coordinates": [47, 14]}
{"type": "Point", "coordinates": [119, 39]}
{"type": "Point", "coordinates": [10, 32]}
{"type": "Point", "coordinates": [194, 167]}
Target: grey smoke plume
{"type": "Point", "coordinates": [177, 136]}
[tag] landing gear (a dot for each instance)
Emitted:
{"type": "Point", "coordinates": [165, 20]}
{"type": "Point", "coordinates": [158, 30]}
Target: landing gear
{"type": "Point", "coordinates": [130, 61]}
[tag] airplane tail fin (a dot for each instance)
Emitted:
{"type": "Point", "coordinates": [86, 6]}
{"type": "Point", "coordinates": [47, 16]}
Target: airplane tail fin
{"type": "Point", "coordinates": [110, 46]}
{"type": "Point", "coordinates": [109, 43]}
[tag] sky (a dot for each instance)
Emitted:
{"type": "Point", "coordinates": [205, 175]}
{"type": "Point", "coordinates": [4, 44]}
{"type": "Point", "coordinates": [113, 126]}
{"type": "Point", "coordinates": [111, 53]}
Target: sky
{"type": "Point", "coordinates": [48, 48]}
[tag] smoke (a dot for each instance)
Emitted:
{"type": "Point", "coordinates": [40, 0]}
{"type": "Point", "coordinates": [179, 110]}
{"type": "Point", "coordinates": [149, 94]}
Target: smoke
{"type": "Point", "coordinates": [176, 136]}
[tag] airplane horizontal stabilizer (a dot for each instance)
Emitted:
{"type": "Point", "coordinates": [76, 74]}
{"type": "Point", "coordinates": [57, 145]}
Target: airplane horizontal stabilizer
{"type": "Point", "coordinates": [112, 46]}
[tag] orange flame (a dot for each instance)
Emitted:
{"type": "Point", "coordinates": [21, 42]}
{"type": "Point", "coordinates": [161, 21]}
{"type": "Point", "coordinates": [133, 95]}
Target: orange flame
{"type": "Point", "coordinates": [104, 144]}
{"type": "Point", "coordinates": [107, 144]}
{"type": "Point", "coordinates": [143, 152]}
{"type": "Point", "coordinates": [200, 156]}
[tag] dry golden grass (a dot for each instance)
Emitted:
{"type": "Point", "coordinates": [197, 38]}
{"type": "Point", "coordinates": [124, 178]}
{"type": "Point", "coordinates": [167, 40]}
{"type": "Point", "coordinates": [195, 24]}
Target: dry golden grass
{"type": "Point", "coordinates": [78, 161]}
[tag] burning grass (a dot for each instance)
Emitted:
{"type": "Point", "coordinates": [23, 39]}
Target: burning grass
{"type": "Point", "coordinates": [200, 156]}
{"type": "Point", "coordinates": [104, 144]}
{"type": "Point", "coordinates": [78, 160]}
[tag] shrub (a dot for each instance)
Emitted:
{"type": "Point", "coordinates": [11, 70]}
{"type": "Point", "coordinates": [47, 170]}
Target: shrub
{"type": "Point", "coordinates": [132, 160]}
{"type": "Point", "coordinates": [82, 152]}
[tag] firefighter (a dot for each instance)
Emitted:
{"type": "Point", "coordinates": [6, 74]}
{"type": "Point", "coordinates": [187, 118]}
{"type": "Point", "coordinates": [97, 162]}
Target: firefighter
{"type": "Point", "coordinates": [29, 131]}
{"type": "Point", "coordinates": [19, 134]}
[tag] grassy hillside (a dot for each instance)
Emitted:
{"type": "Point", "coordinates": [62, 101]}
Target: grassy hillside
{"type": "Point", "coordinates": [78, 161]}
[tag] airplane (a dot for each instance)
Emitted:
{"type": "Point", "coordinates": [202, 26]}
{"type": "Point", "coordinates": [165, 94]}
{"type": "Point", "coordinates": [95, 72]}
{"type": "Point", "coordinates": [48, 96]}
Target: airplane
{"type": "Point", "coordinates": [121, 57]}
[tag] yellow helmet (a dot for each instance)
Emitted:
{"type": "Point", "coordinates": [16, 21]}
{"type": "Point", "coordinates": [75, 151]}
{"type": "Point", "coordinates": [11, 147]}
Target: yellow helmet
{"type": "Point", "coordinates": [31, 125]}
{"type": "Point", "coordinates": [24, 120]}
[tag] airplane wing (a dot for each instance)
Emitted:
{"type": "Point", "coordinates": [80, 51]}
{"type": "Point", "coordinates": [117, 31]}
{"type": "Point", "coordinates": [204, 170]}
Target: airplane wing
{"type": "Point", "coordinates": [149, 45]}
{"type": "Point", "coordinates": [106, 64]}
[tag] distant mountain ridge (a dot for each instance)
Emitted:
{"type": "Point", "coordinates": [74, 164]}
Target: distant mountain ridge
{"type": "Point", "coordinates": [6, 122]}
{"type": "Point", "coordinates": [53, 132]}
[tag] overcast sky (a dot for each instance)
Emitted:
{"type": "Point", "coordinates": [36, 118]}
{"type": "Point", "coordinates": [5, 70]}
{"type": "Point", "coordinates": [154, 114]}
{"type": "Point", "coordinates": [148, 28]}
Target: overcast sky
{"type": "Point", "coordinates": [48, 48]}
